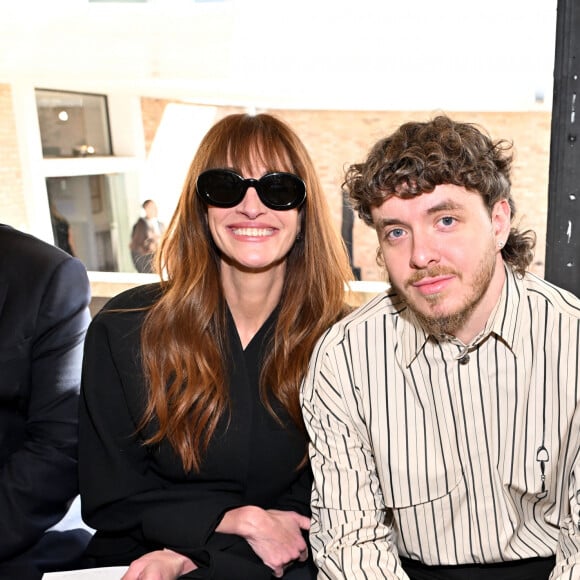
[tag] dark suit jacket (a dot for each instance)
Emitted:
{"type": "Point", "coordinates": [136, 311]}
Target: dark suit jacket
{"type": "Point", "coordinates": [44, 297]}
{"type": "Point", "coordinates": [138, 497]}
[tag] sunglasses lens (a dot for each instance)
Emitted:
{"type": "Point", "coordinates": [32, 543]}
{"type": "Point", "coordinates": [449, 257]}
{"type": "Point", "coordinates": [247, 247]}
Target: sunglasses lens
{"type": "Point", "coordinates": [220, 187]}
{"type": "Point", "coordinates": [282, 190]}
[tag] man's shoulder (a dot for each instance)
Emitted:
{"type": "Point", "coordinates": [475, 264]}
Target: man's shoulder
{"type": "Point", "coordinates": [25, 258]}
{"type": "Point", "coordinates": [541, 291]}
{"type": "Point", "coordinates": [20, 247]}
{"type": "Point", "coordinates": [383, 309]}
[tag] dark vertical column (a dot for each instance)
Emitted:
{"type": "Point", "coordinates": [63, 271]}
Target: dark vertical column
{"type": "Point", "coordinates": [563, 229]}
{"type": "Point", "coordinates": [346, 231]}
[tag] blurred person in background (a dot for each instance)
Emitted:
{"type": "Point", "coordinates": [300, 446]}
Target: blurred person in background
{"type": "Point", "coordinates": [61, 230]}
{"type": "Point", "coordinates": [145, 237]}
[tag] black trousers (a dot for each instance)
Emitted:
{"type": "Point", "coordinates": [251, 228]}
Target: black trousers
{"type": "Point", "coordinates": [531, 569]}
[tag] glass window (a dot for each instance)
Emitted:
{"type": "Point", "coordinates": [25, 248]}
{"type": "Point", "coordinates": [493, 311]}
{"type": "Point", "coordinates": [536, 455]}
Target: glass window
{"type": "Point", "coordinates": [73, 124]}
{"type": "Point", "coordinates": [91, 218]}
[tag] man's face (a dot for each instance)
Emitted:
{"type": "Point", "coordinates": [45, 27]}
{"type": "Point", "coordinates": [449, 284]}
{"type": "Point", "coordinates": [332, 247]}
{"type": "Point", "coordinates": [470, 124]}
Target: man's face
{"type": "Point", "coordinates": [150, 210]}
{"type": "Point", "coordinates": [441, 254]}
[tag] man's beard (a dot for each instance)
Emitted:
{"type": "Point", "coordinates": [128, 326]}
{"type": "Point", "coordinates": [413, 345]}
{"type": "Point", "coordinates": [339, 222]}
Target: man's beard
{"type": "Point", "coordinates": [449, 323]}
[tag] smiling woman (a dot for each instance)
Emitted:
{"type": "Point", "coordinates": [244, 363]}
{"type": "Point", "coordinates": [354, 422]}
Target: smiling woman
{"type": "Point", "coordinates": [193, 457]}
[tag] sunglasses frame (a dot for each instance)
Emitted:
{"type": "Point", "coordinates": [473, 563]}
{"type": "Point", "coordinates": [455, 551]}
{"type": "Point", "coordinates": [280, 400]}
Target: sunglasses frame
{"type": "Point", "coordinates": [258, 184]}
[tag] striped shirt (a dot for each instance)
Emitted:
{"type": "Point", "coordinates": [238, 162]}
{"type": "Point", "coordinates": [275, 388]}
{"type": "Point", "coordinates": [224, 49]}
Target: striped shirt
{"type": "Point", "coordinates": [443, 452]}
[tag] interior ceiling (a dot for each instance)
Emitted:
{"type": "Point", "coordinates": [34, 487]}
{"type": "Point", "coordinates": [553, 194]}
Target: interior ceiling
{"type": "Point", "coordinates": [360, 54]}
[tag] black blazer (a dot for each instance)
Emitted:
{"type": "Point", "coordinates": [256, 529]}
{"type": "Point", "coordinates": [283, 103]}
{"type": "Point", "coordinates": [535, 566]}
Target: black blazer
{"type": "Point", "coordinates": [44, 298]}
{"type": "Point", "coordinates": [138, 497]}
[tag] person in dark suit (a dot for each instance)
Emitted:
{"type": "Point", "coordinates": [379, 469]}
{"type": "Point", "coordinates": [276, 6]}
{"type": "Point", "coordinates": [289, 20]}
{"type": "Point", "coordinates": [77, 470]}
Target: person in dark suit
{"type": "Point", "coordinates": [145, 237]}
{"type": "Point", "coordinates": [193, 454]}
{"type": "Point", "coordinates": [44, 298]}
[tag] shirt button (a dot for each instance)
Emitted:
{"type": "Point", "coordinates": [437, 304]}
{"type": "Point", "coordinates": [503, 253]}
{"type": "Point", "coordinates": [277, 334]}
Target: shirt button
{"type": "Point", "coordinates": [464, 359]}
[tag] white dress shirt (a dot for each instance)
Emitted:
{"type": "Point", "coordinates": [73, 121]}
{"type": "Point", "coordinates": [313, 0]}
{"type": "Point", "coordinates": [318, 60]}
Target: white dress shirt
{"type": "Point", "coordinates": [442, 452]}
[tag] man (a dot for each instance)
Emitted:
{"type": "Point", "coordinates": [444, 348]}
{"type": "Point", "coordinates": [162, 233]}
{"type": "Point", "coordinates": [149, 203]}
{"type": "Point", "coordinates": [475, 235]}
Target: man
{"type": "Point", "coordinates": [445, 415]}
{"type": "Point", "coordinates": [145, 237]}
{"type": "Point", "coordinates": [44, 297]}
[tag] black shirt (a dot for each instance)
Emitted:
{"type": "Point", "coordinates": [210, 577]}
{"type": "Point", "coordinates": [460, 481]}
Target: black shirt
{"type": "Point", "coordinates": [139, 498]}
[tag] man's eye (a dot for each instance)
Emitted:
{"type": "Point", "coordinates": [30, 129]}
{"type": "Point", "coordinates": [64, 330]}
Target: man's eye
{"type": "Point", "coordinates": [447, 220]}
{"type": "Point", "coordinates": [395, 233]}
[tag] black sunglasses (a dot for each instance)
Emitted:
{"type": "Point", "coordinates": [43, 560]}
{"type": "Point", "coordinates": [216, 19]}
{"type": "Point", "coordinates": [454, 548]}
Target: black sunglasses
{"type": "Point", "coordinates": [225, 188]}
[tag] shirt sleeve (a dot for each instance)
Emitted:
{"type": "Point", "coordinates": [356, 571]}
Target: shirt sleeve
{"type": "Point", "coordinates": [568, 551]}
{"type": "Point", "coordinates": [350, 533]}
{"type": "Point", "coordinates": [39, 480]}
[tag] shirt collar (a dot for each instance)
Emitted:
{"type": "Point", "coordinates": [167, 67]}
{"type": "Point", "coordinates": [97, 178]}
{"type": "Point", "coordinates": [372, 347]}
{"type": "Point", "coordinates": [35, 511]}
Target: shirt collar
{"type": "Point", "coordinates": [504, 322]}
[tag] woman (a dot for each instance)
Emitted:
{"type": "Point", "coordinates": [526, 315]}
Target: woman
{"type": "Point", "coordinates": [192, 445]}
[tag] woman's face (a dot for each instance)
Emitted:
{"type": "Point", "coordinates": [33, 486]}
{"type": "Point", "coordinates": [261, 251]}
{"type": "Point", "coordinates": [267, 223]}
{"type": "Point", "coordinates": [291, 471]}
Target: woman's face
{"type": "Point", "coordinates": [251, 236]}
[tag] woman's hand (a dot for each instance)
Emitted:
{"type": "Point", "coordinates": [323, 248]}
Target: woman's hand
{"type": "Point", "coordinates": [159, 565]}
{"type": "Point", "coordinates": [274, 535]}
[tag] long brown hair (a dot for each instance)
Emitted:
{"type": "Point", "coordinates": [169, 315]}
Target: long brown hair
{"type": "Point", "coordinates": [188, 390]}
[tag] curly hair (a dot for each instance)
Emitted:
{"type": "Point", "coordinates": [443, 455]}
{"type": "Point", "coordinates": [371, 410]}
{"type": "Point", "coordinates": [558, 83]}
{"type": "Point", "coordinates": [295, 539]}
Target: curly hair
{"type": "Point", "coordinates": [419, 156]}
{"type": "Point", "coordinates": [188, 389]}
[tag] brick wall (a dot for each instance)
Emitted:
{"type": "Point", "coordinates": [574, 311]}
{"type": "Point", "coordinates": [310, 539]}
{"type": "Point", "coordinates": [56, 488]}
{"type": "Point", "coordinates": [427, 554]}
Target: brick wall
{"type": "Point", "coordinates": [12, 208]}
{"type": "Point", "coordinates": [337, 138]}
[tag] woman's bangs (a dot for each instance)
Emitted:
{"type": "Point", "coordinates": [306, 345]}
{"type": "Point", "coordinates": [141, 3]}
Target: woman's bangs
{"type": "Point", "coordinates": [250, 152]}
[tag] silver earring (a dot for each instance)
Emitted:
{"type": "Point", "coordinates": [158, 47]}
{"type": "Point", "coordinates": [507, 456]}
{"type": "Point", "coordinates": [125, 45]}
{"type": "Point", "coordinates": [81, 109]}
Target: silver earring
{"type": "Point", "coordinates": [500, 245]}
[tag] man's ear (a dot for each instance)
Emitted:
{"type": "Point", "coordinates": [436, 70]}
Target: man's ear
{"type": "Point", "coordinates": [501, 215]}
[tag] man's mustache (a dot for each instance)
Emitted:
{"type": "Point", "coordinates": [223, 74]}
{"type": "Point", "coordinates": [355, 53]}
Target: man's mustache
{"type": "Point", "coordinates": [431, 273]}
